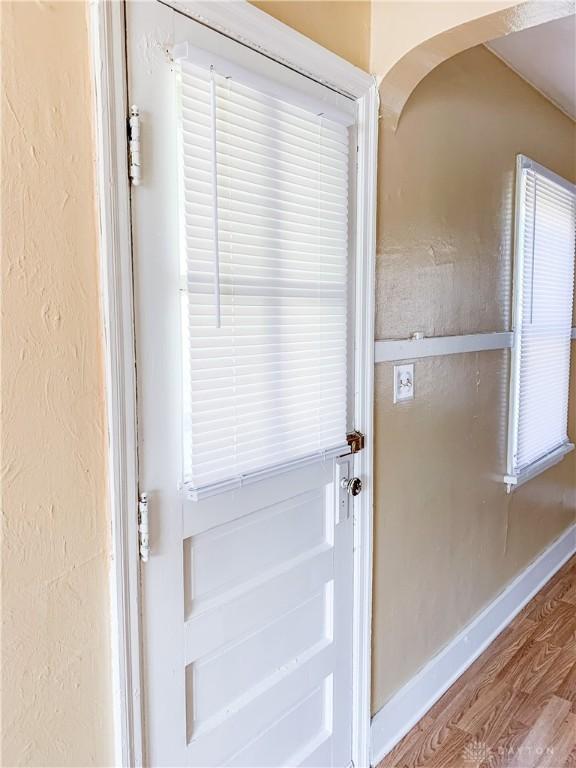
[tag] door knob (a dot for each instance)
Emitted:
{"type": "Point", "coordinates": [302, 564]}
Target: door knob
{"type": "Point", "coordinates": [352, 485]}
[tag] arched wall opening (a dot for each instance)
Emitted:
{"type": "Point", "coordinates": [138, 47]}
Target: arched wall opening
{"type": "Point", "coordinates": [444, 29]}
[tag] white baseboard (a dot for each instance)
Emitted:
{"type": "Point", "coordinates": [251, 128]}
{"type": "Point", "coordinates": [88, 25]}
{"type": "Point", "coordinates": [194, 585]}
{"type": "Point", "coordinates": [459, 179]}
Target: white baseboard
{"type": "Point", "coordinates": [412, 701]}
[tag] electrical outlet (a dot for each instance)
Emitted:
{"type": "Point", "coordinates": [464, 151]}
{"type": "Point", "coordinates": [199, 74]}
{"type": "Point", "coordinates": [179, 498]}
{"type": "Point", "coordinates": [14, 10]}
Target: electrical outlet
{"type": "Point", "coordinates": [403, 382]}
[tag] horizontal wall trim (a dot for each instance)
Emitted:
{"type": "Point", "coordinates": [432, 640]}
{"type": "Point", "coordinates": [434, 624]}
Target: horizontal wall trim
{"type": "Point", "coordinates": [391, 723]}
{"type": "Point", "coordinates": [389, 350]}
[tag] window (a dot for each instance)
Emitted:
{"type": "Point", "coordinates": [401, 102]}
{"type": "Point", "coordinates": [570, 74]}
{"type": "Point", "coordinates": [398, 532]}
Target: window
{"type": "Point", "coordinates": [542, 321]}
{"type": "Point", "coordinates": [264, 221]}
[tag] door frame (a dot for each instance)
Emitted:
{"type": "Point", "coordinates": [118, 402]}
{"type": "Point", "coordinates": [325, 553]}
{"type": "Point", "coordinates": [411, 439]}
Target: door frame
{"type": "Point", "coordinates": [248, 25]}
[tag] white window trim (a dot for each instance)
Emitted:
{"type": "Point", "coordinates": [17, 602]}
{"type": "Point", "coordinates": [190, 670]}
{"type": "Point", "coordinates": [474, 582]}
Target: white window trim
{"type": "Point", "coordinates": [539, 466]}
{"type": "Point", "coordinates": [250, 26]}
{"type": "Point", "coordinates": [511, 478]}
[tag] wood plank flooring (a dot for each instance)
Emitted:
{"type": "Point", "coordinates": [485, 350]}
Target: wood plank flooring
{"type": "Point", "coordinates": [515, 707]}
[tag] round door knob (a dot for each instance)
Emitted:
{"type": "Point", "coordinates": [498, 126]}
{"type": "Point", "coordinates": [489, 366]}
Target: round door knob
{"type": "Point", "coordinates": [353, 486]}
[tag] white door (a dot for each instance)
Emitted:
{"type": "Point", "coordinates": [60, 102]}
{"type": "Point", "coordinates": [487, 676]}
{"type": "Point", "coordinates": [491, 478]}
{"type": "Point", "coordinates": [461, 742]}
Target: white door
{"type": "Point", "coordinates": [244, 330]}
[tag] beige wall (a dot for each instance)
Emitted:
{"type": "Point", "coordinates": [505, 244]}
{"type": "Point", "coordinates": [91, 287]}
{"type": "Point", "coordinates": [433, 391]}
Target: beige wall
{"type": "Point", "coordinates": [447, 536]}
{"type": "Point", "coordinates": [55, 658]}
{"type": "Point", "coordinates": [56, 697]}
{"type": "Point", "coordinates": [342, 26]}
{"type": "Point", "coordinates": [400, 26]}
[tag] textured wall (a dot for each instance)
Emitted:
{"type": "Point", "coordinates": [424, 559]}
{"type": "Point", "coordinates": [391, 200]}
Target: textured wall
{"type": "Point", "coordinates": [56, 697]}
{"type": "Point", "coordinates": [400, 26]}
{"type": "Point", "coordinates": [447, 536]}
{"type": "Point", "coordinates": [342, 26]}
{"type": "Point", "coordinates": [56, 669]}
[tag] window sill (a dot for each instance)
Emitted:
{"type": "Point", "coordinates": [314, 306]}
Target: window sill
{"type": "Point", "coordinates": [513, 481]}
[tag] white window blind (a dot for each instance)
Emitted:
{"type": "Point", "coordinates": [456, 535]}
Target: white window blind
{"type": "Point", "coordinates": [264, 222]}
{"type": "Point", "coordinates": [544, 290]}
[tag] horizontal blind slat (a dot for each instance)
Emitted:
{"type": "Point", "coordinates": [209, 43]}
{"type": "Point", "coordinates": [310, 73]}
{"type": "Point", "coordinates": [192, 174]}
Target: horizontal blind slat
{"type": "Point", "coordinates": [270, 383]}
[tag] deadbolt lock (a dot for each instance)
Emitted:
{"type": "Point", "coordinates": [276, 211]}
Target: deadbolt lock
{"type": "Point", "coordinates": [352, 485]}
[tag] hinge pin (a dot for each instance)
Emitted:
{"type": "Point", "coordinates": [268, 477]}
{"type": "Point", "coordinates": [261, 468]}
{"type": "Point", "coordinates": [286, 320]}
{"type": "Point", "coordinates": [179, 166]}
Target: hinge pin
{"type": "Point", "coordinates": [134, 145]}
{"type": "Point", "coordinates": [143, 528]}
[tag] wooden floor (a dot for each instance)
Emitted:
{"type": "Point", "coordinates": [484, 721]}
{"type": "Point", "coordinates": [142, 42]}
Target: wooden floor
{"type": "Point", "coordinates": [516, 705]}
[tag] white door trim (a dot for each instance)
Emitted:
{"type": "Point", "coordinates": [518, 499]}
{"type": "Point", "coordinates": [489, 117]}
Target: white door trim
{"type": "Point", "coordinates": [364, 378]}
{"type": "Point", "coordinates": [257, 30]}
{"type": "Point", "coordinates": [113, 199]}
{"type": "Point", "coordinates": [250, 26]}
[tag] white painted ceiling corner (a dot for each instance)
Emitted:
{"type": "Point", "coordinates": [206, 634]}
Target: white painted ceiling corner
{"type": "Point", "coordinates": [544, 56]}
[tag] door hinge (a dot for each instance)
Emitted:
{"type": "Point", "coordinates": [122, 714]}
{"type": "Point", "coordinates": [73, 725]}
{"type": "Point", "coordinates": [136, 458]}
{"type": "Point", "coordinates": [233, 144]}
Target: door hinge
{"type": "Point", "coordinates": [355, 441]}
{"type": "Point", "coordinates": [143, 528]}
{"type": "Point", "coordinates": [134, 145]}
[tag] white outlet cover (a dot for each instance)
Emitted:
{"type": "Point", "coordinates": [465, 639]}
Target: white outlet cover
{"type": "Point", "coordinates": [403, 382]}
